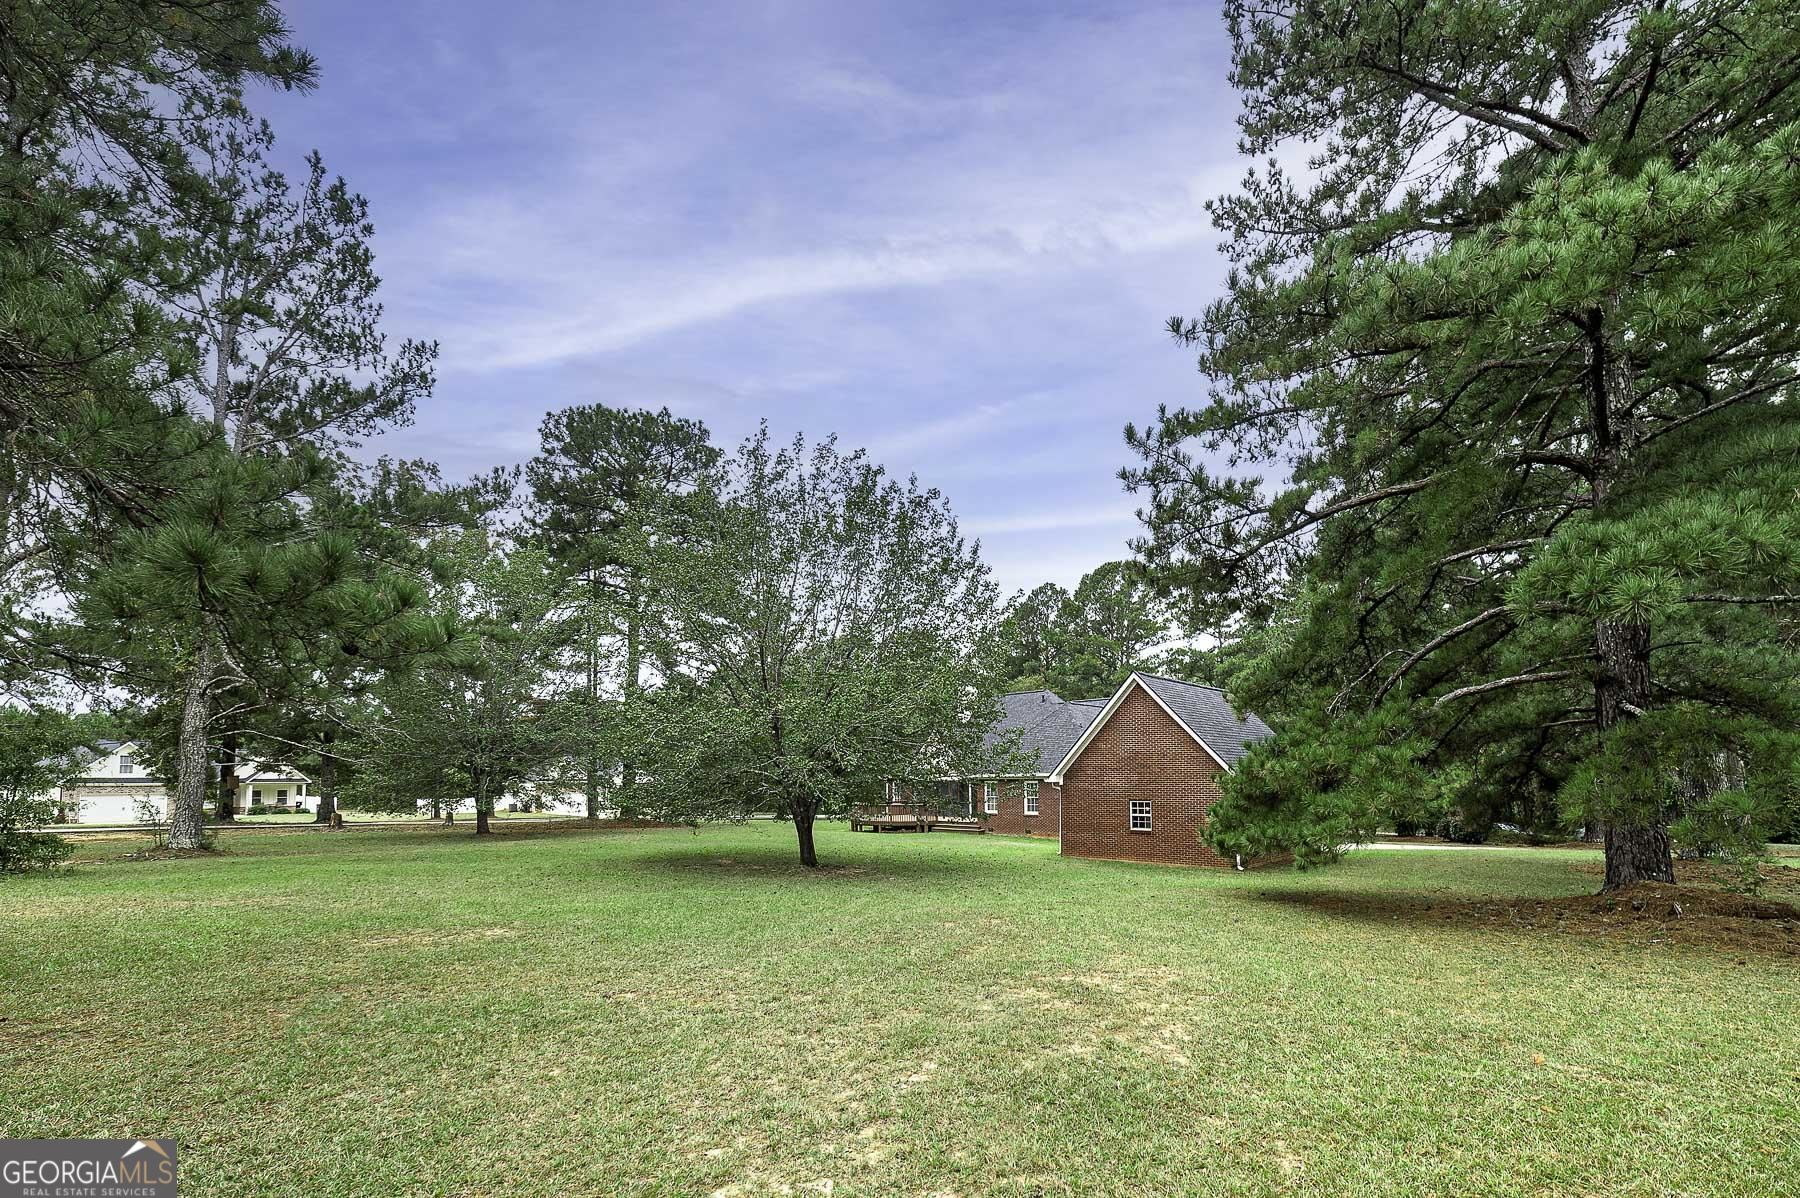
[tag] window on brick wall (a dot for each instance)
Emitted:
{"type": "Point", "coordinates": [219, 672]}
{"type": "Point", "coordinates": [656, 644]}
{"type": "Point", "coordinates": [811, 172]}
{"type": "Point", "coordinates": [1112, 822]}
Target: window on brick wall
{"type": "Point", "coordinates": [990, 797]}
{"type": "Point", "coordinates": [1140, 815]}
{"type": "Point", "coordinates": [1031, 798]}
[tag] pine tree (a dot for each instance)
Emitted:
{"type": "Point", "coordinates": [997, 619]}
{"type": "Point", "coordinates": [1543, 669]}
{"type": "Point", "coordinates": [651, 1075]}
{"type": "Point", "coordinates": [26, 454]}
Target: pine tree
{"type": "Point", "coordinates": [275, 287]}
{"type": "Point", "coordinates": [1518, 349]}
{"type": "Point", "coordinates": [603, 475]}
{"type": "Point", "coordinates": [1031, 643]}
{"type": "Point", "coordinates": [88, 152]}
{"type": "Point", "coordinates": [1109, 626]}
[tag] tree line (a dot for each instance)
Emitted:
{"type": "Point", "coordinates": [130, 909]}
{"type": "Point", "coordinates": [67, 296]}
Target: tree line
{"type": "Point", "coordinates": [192, 357]}
{"type": "Point", "coordinates": [1490, 510]}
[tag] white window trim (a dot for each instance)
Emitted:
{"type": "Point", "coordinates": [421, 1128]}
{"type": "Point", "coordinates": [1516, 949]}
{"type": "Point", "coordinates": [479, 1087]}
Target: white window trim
{"type": "Point", "coordinates": [1031, 798]}
{"type": "Point", "coordinates": [990, 798]}
{"type": "Point", "coordinates": [1131, 815]}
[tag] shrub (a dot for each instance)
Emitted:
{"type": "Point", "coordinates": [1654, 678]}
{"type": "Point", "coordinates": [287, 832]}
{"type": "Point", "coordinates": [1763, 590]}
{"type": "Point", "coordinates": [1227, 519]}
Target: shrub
{"type": "Point", "coordinates": [1461, 827]}
{"type": "Point", "coordinates": [22, 849]}
{"type": "Point", "coordinates": [38, 749]}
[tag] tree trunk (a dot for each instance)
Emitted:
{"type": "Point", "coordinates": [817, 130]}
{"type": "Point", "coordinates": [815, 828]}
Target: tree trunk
{"type": "Point", "coordinates": [187, 811]}
{"type": "Point", "coordinates": [1637, 843]}
{"type": "Point", "coordinates": [594, 765]}
{"type": "Point", "coordinates": [633, 684]}
{"type": "Point", "coordinates": [225, 810]}
{"type": "Point", "coordinates": [1637, 853]}
{"type": "Point", "coordinates": [802, 810]}
{"type": "Point", "coordinates": [327, 790]}
{"type": "Point", "coordinates": [483, 806]}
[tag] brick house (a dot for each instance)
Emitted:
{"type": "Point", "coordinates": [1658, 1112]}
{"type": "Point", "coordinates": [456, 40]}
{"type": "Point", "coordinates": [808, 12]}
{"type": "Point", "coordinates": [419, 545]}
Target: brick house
{"type": "Point", "coordinates": [1128, 778]}
{"type": "Point", "coordinates": [1136, 785]}
{"type": "Point", "coordinates": [1029, 803]}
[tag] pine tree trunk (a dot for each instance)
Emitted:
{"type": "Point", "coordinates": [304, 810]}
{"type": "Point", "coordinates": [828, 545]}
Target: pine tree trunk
{"type": "Point", "coordinates": [187, 811]}
{"type": "Point", "coordinates": [1637, 853]}
{"type": "Point", "coordinates": [225, 809]}
{"type": "Point", "coordinates": [327, 790]}
{"type": "Point", "coordinates": [1637, 845]}
{"type": "Point", "coordinates": [633, 683]}
{"type": "Point", "coordinates": [594, 765]}
{"type": "Point", "coordinates": [802, 810]}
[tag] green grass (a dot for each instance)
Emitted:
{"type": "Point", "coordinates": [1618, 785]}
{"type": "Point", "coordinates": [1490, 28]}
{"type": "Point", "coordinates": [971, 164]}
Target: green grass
{"type": "Point", "coordinates": [416, 1012]}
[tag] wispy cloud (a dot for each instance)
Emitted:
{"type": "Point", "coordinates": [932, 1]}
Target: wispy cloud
{"type": "Point", "coordinates": [948, 234]}
{"type": "Point", "coordinates": [1099, 515]}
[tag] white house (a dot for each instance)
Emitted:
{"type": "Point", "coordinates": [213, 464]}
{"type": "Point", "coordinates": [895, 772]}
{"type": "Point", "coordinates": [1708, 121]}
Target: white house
{"type": "Point", "coordinates": [114, 786]}
{"type": "Point", "coordinates": [271, 784]}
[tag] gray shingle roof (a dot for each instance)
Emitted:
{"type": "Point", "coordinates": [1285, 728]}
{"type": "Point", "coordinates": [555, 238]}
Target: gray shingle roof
{"type": "Point", "coordinates": [1048, 725]}
{"type": "Point", "coordinates": [1206, 711]}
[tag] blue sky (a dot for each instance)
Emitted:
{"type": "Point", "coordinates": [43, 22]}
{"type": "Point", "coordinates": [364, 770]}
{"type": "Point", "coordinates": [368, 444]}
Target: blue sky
{"type": "Point", "coordinates": [949, 233]}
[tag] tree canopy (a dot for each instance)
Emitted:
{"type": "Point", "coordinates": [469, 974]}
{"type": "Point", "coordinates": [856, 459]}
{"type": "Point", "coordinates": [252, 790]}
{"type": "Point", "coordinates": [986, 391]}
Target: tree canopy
{"type": "Point", "coordinates": [1512, 329]}
{"type": "Point", "coordinates": [823, 633]}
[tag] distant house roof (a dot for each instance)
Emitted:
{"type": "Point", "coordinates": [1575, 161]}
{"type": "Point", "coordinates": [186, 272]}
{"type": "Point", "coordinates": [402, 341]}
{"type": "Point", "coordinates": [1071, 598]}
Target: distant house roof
{"type": "Point", "coordinates": [1048, 725]}
{"type": "Point", "coordinates": [1203, 711]}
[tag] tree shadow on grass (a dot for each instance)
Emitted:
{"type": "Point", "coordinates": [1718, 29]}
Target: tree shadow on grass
{"type": "Point", "coordinates": [517, 829]}
{"type": "Point", "coordinates": [1649, 914]}
{"type": "Point", "coordinates": [782, 863]}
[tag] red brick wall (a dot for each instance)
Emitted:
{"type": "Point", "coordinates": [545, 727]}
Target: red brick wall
{"type": "Point", "coordinates": [1011, 819]}
{"type": "Point", "coordinates": [1141, 753]}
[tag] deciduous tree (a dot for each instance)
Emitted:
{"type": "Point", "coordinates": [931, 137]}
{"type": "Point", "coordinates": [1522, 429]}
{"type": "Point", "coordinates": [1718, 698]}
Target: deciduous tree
{"type": "Point", "coordinates": [488, 715]}
{"type": "Point", "coordinates": [824, 627]}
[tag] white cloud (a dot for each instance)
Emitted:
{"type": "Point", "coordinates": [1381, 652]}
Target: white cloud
{"type": "Point", "coordinates": [683, 211]}
{"type": "Point", "coordinates": [1099, 515]}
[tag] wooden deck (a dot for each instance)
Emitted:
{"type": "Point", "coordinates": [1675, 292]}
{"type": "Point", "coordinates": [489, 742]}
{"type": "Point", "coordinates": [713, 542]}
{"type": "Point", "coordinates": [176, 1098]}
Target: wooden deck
{"type": "Point", "coordinates": [907, 821]}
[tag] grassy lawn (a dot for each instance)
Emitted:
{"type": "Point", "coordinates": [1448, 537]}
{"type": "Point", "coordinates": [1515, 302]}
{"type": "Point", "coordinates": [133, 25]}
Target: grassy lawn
{"type": "Point", "coordinates": [415, 1012]}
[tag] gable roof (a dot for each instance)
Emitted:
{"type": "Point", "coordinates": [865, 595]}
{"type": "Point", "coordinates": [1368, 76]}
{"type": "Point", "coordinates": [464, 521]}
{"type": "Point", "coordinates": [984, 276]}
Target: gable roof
{"type": "Point", "coordinates": [1048, 725]}
{"type": "Point", "coordinates": [1202, 711]}
{"type": "Point", "coordinates": [1208, 715]}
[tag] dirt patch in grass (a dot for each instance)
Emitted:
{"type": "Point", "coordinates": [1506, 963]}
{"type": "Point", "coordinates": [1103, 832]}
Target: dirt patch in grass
{"type": "Point", "coordinates": [1656, 912]}
{"type": "Point", "coordinates": [1777, 882]}
{"type": "Point", "coordinates": [1699, 911]}
{"type": "Point", "coordinates": [167, 854]}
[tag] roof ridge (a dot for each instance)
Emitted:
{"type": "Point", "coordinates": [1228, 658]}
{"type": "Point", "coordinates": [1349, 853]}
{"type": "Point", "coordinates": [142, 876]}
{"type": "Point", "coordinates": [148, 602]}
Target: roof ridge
{"type": "Point", "coordinates": [1205, 686]}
